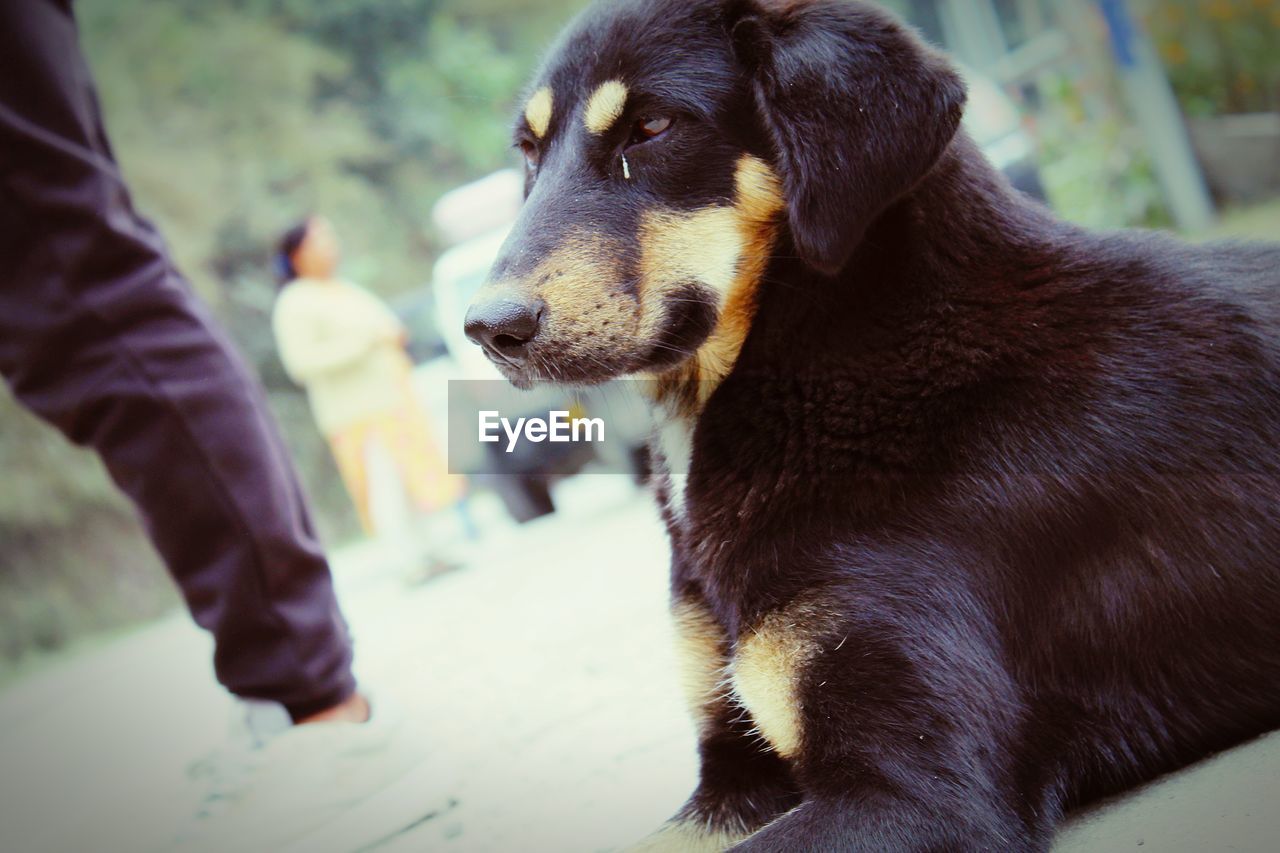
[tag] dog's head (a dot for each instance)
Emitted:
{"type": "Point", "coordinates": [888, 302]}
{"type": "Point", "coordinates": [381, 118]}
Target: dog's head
{"type": "Point", "coordinates": [672, 147]}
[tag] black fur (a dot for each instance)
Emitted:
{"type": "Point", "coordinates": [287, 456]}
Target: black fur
{"type": "Point", "coordinates": [1034, 469]}
{"type": "Point", "coordinates": [824, 82]}
{"type": "Point", "coordinates": [689, 319]}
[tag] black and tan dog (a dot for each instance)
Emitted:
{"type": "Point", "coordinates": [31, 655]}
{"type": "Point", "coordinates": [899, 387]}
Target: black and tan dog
{"type": "Point", "coordinates": [974, 513]}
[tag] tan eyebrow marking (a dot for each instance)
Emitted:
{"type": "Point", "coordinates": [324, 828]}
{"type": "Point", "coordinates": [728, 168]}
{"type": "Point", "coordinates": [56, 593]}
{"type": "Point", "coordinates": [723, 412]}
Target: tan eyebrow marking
{"type": "Point", "coordinates": [605, 106]}
{"type": "Point", "coordinates": [538, 111]}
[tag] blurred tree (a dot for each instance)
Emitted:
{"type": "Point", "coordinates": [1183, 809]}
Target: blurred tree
{"type": "Point", "coordinates": [71, 557]}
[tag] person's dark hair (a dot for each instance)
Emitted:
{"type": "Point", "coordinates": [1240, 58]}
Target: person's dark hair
{"type": "Point", "coordinates": [285, 247]}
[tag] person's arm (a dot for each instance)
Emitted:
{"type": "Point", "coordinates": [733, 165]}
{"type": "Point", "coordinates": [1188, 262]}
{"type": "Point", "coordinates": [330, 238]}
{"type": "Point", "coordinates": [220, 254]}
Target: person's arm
{"type": "Point", "coordinates": [388, 327]}
{"type": "Point", "coordinates": [311, 344]}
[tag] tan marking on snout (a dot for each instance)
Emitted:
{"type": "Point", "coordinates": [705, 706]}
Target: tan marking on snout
{"type": "Point", "coordinates": [725, 247]}
{"type": "Point", "coordinates": [587, 323]}
{"type": "Point", "coordinates": [605, 106]}
{"type": "Point", "coordinates": [703, 652]}
{"type": "Point", "coordinates": [758, 207]}
{"type": "Point", "coordinates": [538, 111]}
{"type": "Point", "coordinates": [768, 664]}
{"type": "Point", "coordinates": [571, 284]}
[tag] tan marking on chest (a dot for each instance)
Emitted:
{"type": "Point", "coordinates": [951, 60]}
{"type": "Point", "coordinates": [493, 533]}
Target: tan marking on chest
{"type": "Point", "coordinates": [768, 665]}
{"type": "Point", "coordinates": [605, 106]}
{"type": "Point", "coordinates": [703, 652]}
{"type": "Point", "coordinates": [675, 446]}
{"type": "Point", "coordinates": [538, 111]}
{"type": "Point", "coordinates": [726, 248]}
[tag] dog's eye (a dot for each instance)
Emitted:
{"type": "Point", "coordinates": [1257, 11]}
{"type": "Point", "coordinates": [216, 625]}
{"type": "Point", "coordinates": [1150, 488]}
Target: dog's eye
{"type": "Point", "coordinates": [650, 128]}
{"type": "Point", "coordinates": [530, 152]}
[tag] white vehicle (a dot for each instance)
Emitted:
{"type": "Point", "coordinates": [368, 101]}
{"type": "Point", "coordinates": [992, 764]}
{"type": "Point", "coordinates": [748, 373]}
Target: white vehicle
{"type": "Point", "coordinates": [455, 278]}
{"type": "Point", "coordinates": [992, 119]}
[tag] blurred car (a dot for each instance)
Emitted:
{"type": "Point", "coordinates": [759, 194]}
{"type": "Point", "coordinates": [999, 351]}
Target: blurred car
{"type": "Point", "coordinates": [416, 311]}
{"type": "Point", "coordinates": [993, 120]}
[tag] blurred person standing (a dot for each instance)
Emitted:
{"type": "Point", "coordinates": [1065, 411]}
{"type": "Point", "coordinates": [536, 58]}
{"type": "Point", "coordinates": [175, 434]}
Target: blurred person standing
{"type": "Point", "coordinates": [347, 349]}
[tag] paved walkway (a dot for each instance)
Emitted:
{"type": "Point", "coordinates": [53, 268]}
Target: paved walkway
{"type": "Point", "coordinates": [541, 679]}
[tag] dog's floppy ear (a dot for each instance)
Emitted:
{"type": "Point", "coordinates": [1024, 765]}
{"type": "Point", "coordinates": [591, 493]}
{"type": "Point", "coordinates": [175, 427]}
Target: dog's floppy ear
{"type": "Point", "coordinates": [858, 108]}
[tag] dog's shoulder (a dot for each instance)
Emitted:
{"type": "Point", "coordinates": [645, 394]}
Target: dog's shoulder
{"type": "Point", "coordinates": [1170, 300]}
{"type": "Point", "coordinates": [1247, 274]}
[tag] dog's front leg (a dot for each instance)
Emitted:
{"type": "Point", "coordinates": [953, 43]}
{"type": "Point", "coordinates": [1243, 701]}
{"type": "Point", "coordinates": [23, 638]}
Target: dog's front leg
{"type": "Point", "coordinates": [902, 730]}
{"type": "Point", "coordinates": [743, 783]}
{"type": "Point", "coordinates": [879, 823]}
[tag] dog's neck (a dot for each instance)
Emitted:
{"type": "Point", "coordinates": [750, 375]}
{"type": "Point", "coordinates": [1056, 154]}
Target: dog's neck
{"type": "Point", "coordinates": [963, 234]}
{"type": "Point", "coordinates": [962, 240]}
{"type": "Point", "coordinates": [962, 231]}
{"type": "Point", "coordinates": [941, 299]}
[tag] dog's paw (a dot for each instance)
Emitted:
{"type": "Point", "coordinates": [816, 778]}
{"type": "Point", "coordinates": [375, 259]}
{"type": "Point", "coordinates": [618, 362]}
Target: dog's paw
{"type": "Point", "coordinates": [685, 836]}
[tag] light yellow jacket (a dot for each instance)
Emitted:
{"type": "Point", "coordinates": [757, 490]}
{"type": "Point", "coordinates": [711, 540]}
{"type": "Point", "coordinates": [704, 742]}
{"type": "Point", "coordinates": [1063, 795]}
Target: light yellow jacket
{"type": "Point", "coordinates": [341, 343]}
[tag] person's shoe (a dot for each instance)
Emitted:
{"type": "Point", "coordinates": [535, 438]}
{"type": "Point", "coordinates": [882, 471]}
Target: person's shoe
{"type": "Point", "coordinates": [317, 787]}
{"type": "Point", "coordinates": [434, 568]}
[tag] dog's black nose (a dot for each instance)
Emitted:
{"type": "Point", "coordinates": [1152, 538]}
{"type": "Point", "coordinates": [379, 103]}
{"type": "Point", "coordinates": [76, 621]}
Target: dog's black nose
{"type": "Point", "coordinates": [504, 327]}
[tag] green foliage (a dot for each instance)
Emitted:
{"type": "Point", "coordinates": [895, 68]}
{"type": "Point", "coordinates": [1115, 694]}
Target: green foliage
{"type": "Point", "coordinates": [1223, 56]}
{"type": "Point", "coordinates": [72, 558]}
{"type": "Point", "coordinates": [218, 129]}
{"type": "Point", "coordinates": [1095, 167]}
{"type": "Point", "coordinates": [47, 482]}
{"type": "Point", "coordinates": [459, 87]}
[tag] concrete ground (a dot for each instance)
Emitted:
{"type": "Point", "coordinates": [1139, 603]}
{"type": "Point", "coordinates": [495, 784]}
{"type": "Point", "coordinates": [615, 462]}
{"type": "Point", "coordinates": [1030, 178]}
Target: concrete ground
{"type": "Point", "coordinates": [539, 681]}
